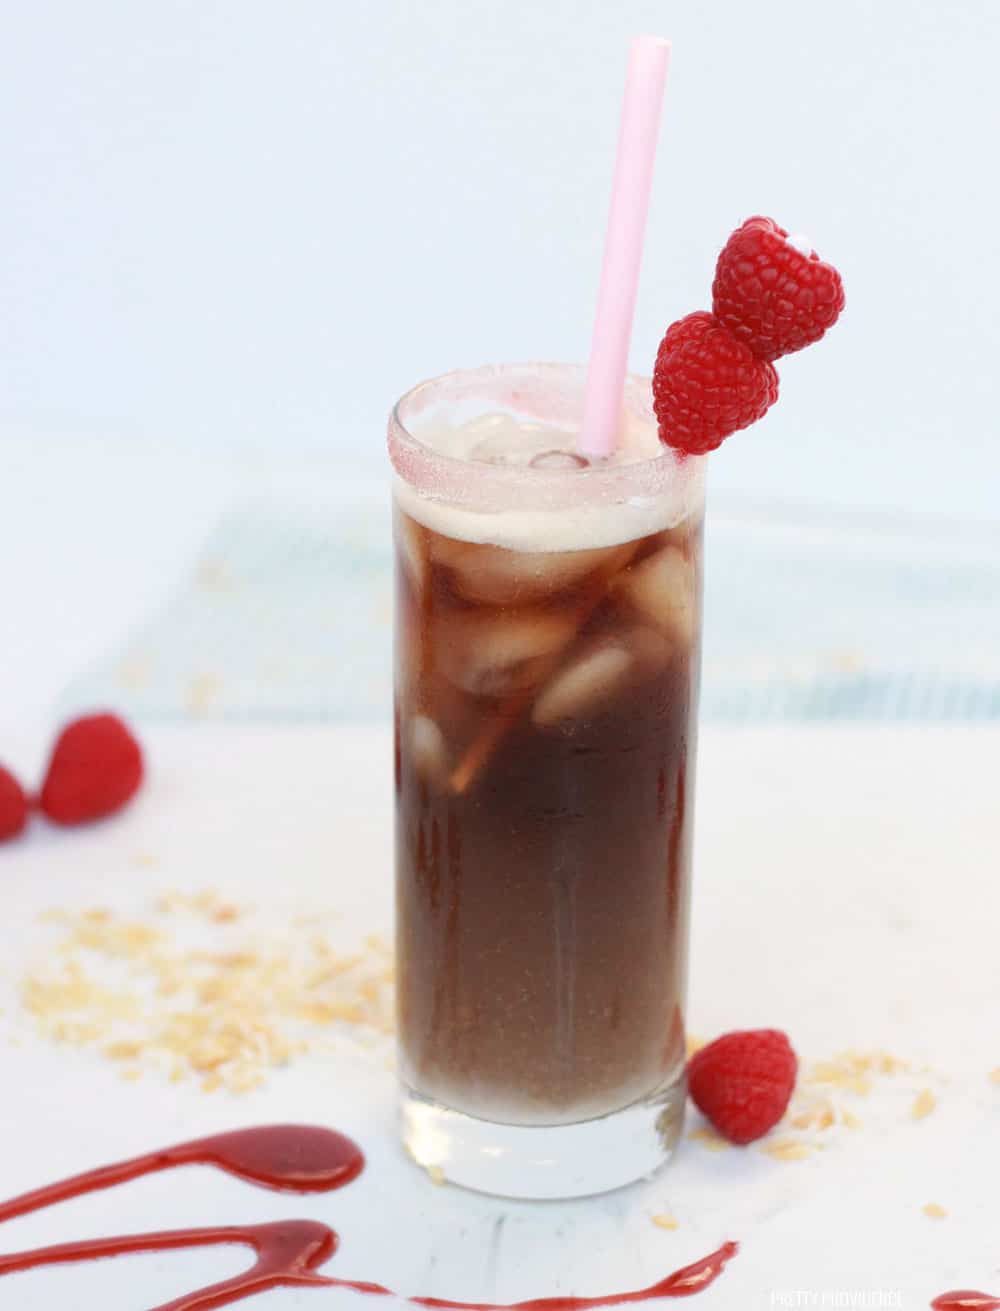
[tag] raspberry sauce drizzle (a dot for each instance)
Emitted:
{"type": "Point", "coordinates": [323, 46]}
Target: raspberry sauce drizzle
{"type": "Point", "coordinates": [965, 1300]}
{"type": "Point", "coordinates": [298, 1158]}
{"type": "Point", "coordinates": [682, 1283]}
{"type": "Point", "coordinates": [287, 1254]}
{"type": "Point", "coordinates": [292, 1158]}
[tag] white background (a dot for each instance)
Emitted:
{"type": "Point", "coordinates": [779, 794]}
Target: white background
{"type": "Point", "coordinates": [244, 223]}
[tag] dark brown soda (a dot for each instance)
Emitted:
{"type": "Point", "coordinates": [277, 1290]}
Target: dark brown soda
{"type": "Point", "coordinates": [545, 744]}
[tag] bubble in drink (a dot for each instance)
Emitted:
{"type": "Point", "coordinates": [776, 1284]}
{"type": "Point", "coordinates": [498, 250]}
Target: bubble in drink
{"type": "Point", "coordinates": [492, 653]}
{"type": "Point", "coordinates": [663, 589]}
{"type": "Point", "coordinates": [494, 575]}
{"type": "Point", "coordinates": [559, 460]}
{"type": "Point", "coordinates": [583, 687]}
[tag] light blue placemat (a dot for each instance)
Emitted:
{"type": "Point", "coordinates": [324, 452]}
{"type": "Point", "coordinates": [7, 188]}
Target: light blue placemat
{"type": "Point", "coordinates": [287, 614]}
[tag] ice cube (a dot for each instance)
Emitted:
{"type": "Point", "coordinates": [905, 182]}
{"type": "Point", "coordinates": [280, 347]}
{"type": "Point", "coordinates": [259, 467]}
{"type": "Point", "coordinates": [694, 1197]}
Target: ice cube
{"type": "Point", "coordinates": [582, 686]}
{"type": "Point", "coordinates": [650, 649]}
{"type": "Point", "coordinates": [428, 750]}
{"type": "Point", "coordinates": [484, 426]}
{"type": "Point", "coordinates": [497, 440]}
{"type": "Point", "coordinates": [492, 654]}
{"type": "Point", "coordinates": [663, 589]}
{"type": "Point", "coordinates": [496, 576]}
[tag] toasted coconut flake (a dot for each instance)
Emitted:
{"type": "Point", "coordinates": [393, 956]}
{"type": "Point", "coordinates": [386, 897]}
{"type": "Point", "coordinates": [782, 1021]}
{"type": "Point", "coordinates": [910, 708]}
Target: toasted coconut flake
{"type": "Point", "coordinates": [709, 1139]}
{"type": "Point", "coordinates": [923, 1104]}
{"type": "Point", "coordinates": [665, 1222]}
{"type": "Point", "coordinates": [228, 1010]}
{"type": "Point", "coordinates": [788, 1149]}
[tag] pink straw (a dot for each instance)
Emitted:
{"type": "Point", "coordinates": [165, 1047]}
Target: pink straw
{"type": "Point", "coordinates": [640, 127]}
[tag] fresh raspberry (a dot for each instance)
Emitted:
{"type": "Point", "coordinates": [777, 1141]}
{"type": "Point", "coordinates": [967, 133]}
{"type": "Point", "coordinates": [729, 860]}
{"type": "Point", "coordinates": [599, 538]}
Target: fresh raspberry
{"type": "Point", "coordinates": [13, 806]}
{"type": "Point", "coordinates": [770, 295]}
{"type": "Point", "coordinates": [96, 767]}
{"type": "Point", "coordinates": [706, 384]}
{"type": "Point", "coordinates": [743, 1081]}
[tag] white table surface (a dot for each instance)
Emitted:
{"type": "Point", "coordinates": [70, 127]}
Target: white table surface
{"type": "Point", "coordinates": [845, 890]}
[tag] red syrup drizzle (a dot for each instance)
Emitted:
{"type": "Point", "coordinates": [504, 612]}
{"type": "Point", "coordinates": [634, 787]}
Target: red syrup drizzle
{"type": "Point", "coordinates": [287, 1253]}
{"type": "Point", "coordinates": [682, 1283]}
{"type": "Point", "coordinates": [965, 1300]}
{"type": "Point", "coordinates": [291, 1158]}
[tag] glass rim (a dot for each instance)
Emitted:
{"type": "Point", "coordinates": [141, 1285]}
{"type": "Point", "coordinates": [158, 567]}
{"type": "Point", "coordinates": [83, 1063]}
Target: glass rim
{"type": "Point", "coordinates": [474, 484]}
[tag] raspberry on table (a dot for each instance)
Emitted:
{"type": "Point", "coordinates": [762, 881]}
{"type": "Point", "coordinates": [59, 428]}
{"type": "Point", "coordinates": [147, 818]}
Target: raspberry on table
{"type": "Point", "coordinates": [771, 295]}
{"type": "Point", "coordinates": [96, 767]}
{"type": "Point", "coordinates": [742, 1082]}
{"type": "Point", "coordinates": [706, 385]}
{"type": "Point", "coordinates": [13, 805]}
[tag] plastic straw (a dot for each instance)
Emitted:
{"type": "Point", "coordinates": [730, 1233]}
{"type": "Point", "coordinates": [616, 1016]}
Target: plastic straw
{"type": "Point", "coordinates": [649, 58]}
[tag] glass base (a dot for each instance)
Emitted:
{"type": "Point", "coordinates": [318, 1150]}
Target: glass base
{"type": "Point", "coordinates": [544, 1161]}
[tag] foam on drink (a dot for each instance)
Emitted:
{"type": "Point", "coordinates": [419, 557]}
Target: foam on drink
{"type": "Point", "coordinates": [532, 452]}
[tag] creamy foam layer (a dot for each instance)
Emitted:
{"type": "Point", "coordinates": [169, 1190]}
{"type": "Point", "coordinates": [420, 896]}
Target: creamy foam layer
{"type": "Point", "coordinates": [586, 510]}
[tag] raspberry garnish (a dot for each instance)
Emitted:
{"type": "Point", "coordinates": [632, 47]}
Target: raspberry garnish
{"type": "Point", "coordinates": [772, 295]}
{"type": "Point", "coordinates": [13, 805]}
{"type": "Point", "coordinates": [96, 767]}
{"type": "Point", "coordinates": [743, 1082]}
{"type": "Point", "coordinates": [706, 384]}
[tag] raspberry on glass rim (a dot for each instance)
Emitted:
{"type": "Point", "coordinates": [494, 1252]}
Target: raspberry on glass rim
{"type": "Point", "coordinates": [714, 372]}
{"type": "Point", "coordinates": [707, 384]}
{"type": "Point", "coordinates": [771, 293]}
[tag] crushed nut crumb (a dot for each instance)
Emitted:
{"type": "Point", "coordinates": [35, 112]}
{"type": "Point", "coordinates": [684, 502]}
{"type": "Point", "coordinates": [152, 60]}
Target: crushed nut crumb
{"type": "Point", "coordinates": [134, 672]}
{"type": "Point", "coordinates": [788, 1149]}
{"type": "Point", "coordinates": [923, 1104]}
{"type": "Point", "coordinates": [229, 1011]}
{"type": "Point", "coordinates": [202, 691]}
{"type": "Point", "coordinates": [934, 1212]}
{"type": "Point", "coordinates": [821, 1115]}
{"type": "Point", "coordinates": [855, 1071]}
{"type": "Point", "coordinates": [122, 1051]}
{"type": "Point", "coordinates": [817, 1106]}
{"type": "Point", "coordinates": [709, 1139]}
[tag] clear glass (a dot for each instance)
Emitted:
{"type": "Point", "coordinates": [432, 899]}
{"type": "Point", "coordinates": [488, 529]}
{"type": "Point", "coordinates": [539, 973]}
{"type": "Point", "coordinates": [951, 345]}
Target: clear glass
{"type": "Point", "coordinates": [547, 660]}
